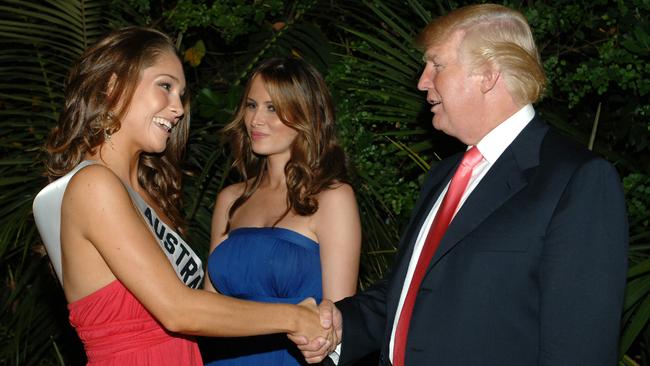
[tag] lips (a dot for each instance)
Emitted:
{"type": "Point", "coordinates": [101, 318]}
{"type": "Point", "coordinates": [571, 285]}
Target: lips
{"type": "Point", "coordinates": [257, 135]}
{"type": "Point", "coordinates": [163, 123]}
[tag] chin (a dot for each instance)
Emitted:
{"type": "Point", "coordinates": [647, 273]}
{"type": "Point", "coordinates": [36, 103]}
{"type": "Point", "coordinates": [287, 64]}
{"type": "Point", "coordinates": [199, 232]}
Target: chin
{"type": "Point", "coordinates": [260, 152]}
{"type": "Point", "coordinates": [158, 149]}
{"type": "Point", "coordinates": [438, 125]}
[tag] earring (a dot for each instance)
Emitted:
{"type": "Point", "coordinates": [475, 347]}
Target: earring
{"type": "Point", "coordinates": [107, 136]}
{"type": "Point", "coordinates": [107, 120]}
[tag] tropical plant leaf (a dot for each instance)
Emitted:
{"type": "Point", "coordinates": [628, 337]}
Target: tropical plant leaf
{"type": "Point", "coordinates": [40, 41]}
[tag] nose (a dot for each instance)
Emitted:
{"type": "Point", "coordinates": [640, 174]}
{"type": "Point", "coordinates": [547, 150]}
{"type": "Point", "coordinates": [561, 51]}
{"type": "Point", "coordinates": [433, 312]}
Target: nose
{"type": "Point", "coordinates": [176, 106]}
{"type": "Point", "coordinates": [255, 118]}
{"type": "Point", "coordinates": [426, 79]}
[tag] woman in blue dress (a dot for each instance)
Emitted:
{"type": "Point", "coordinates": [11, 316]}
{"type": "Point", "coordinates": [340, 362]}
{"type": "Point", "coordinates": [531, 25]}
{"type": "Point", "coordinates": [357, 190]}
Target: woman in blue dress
{"type": "Point", "coordinates": [290, 229]}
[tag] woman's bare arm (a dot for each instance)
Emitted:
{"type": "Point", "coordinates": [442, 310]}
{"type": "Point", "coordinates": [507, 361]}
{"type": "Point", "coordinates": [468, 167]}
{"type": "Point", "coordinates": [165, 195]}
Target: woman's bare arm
{"type": "Point", "coordinates": [339, 234]}
{"type": "Point", "coordinates": [97, 211]}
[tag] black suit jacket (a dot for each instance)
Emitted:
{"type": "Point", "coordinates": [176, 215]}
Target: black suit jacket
{"type": "Point", "coordinates": [531, 271]}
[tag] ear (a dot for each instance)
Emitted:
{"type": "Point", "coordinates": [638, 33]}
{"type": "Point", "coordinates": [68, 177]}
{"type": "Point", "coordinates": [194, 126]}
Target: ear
{"type": "Point", "coordinates": [489, 78]}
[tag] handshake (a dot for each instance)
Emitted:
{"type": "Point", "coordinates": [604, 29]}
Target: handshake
{"type": "Point", "coordinates": [319, 330]}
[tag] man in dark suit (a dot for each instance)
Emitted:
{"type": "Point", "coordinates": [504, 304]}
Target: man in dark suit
{"type": "Point", "coordinates": [531, 269]}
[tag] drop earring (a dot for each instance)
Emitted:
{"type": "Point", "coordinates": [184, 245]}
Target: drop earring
{"type": "Point", "coordinates": [108, 121]}
{"type": "Point", "coordinates": [107, 136]}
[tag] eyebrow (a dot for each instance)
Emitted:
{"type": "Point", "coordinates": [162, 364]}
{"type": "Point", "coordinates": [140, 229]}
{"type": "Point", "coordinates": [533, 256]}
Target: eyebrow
{"type": "Point", "coordinates": [171, 76]}
{"type": "Point", "coordinates": [263, 102]}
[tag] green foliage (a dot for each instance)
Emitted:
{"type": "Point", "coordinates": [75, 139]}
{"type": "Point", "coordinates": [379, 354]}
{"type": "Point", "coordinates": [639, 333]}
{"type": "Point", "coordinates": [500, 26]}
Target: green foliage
{"type": "Point", "coordinates": [230, 18]}
{"type": "Point", "coordinates": [637, 298]}
{"type": "Point", "coordinates": [372, 155]}
{"type": "Point", "coordinates": [596, 54]}
{"type": "Point", "coordinates": [637, 191]}
{"type": "Point", "coordinates": [40, 40]}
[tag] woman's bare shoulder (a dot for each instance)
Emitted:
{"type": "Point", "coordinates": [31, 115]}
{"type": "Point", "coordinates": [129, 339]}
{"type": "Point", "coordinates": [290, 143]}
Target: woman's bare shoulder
{"type": "Point", "coordinates": [339, 191]}
{"type": "Point", "coordinates": [230, 193]}
{"type": "Point", "coordinates": [96, 180]}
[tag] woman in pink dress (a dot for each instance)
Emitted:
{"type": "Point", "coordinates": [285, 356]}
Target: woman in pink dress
{"type": "Point", "coordinates": [111, 218]}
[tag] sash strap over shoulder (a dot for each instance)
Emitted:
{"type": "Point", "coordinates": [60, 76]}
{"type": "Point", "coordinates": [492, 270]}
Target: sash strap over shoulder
{"type": "Point", "coordinates": [47, 214]}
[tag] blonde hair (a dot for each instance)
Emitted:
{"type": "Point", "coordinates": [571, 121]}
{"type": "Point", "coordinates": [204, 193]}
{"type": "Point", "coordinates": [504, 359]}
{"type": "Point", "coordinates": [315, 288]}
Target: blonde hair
{"type": "Point", "coordinates": [494, 35]}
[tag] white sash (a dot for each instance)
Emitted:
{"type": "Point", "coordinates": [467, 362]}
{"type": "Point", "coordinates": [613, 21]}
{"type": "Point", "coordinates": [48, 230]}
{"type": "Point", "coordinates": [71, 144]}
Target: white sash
{"type": "Point", "coordinates": [47, 214]}
{"type": "Point", "coordinates": [186, 263]}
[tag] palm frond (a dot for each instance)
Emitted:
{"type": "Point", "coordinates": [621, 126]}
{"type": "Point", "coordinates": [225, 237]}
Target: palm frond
{"type": "Point", "coordinates": [40, 41]}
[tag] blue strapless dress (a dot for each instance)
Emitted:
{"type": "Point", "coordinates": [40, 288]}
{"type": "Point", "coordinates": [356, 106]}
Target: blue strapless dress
{"type": "Point", "coordinates": [263, 264]}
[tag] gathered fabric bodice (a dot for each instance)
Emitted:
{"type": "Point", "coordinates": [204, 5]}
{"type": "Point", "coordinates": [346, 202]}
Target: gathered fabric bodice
{"type": "Point", "coordinates": [267, 264]}
{"type": "Point", "coordinates": [263, 264]}
{"type": "Point", "coordinates": [117, 330]}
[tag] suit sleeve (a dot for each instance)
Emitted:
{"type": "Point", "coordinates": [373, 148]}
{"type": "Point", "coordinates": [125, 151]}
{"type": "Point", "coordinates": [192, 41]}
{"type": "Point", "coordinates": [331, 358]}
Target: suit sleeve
{"type": "Point", "coordinates": [364, 323]}
{"type": "Point", "coordinates": [583, 270]}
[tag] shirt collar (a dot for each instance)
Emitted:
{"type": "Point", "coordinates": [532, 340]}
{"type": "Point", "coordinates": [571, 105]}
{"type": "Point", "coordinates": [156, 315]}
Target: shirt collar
{"type": "Point", "coordinates": [496, 141]}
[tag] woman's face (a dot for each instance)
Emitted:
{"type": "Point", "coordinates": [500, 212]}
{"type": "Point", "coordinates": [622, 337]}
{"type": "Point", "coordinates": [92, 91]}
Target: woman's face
{"type": "Point", "coordinates": [267, 133]}
{"type": "Point", "coordinates": [156, 106]}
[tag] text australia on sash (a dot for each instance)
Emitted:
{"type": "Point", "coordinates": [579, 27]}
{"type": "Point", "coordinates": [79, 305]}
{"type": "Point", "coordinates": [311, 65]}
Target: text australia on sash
{"type": "Point", "coordinates": [186, 263]}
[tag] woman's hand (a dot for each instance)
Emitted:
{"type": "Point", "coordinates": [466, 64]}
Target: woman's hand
{"type": "Point", "coordinates": [309, 327]}
{"type": "Point", "coordinates": [314, 350]}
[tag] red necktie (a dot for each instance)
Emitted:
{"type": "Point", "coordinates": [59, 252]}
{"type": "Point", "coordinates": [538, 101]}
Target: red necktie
{"type": "Point", "coordinates": [443, 217]}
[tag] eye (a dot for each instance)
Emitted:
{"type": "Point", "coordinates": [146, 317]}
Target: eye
{"type": "Point", "coordinates": [271, 108]}
{"type": "Point", "coordinates": [250, 105]}
{"type": "Point", "coordinates": [166, 86]}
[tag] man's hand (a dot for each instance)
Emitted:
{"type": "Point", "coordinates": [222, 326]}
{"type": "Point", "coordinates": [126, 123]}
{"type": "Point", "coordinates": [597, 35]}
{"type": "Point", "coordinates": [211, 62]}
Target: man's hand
{"type": "Point", "coordinates": [317, 349]}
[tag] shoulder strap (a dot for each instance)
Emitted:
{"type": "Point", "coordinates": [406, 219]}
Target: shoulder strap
{"type": "Point", "coordinates": [47, 215]}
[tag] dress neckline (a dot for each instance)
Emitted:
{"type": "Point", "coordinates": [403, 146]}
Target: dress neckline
{"type": "Point", "coordinates": [282, 231]}
{"type": "Point", "coordinates": [86, 298]}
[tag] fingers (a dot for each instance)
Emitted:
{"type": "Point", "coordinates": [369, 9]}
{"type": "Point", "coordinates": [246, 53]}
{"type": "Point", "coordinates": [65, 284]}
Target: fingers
{"type": "Point", "coordinates": [331, 315]}
{"type": "Point", "coordinates": [321, 331]}
{"type": "Point", "coordinates": [308, 302]}
{"type": "Point", "coordinates": [326, 311]}
{"type": "Point", "coordinates": [299, 340]}
{"type": "Point", "coordinates": [309, 327]}
{"type": "Point", "coordinates": [315, 351]}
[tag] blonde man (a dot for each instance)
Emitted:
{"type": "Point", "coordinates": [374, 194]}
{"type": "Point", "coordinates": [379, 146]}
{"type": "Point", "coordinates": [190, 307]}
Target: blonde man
{"type": "Point", "coordinates": [529, 266]}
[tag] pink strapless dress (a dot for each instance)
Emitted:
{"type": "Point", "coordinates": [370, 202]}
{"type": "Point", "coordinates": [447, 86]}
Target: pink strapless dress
{"type": "Point", "coordinates": [117, 330]}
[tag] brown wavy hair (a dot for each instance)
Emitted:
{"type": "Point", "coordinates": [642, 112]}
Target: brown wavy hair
{"type": "Point", "coordinates": [98, 93]}
{"type": "Point", "coordinates": [302, 102]}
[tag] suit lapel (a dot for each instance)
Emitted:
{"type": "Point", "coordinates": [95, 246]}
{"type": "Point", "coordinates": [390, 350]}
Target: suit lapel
{"type": "Point", "coordinates": [432, 188]}
{"type": "Point", "coordinates": [430, 192]}
{"type": "Point", "coordinates": [507, 176]}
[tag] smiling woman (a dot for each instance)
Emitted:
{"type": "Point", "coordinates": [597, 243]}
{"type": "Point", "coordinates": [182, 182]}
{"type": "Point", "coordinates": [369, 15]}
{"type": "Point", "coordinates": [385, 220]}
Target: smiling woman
{"type": "Point", "coordinates": [158, 106]}
{"type": "Point", "coordinates": [111, 218]}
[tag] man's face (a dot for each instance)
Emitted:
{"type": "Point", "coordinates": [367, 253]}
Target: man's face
{"type": "Point", "coordinates": [453, 90]}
